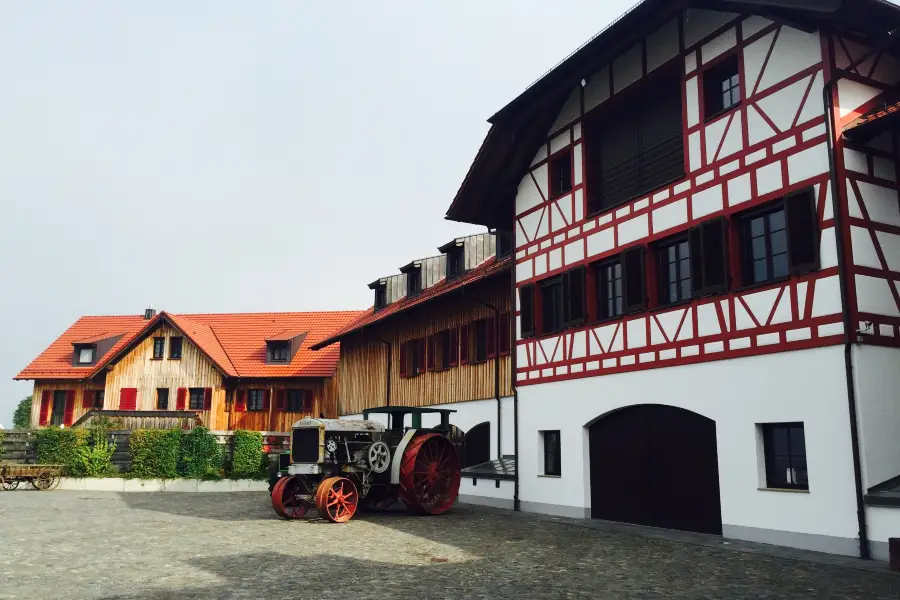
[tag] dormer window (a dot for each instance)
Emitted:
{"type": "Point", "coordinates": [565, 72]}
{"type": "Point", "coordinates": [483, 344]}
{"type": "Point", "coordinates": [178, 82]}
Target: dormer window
{"type": "Point", "coordinates": [84, 355]}
{"type": "Point", "coordinates": [504, 243]}
{"type": "Point", "coordinates": [281, 347]}
{"type": "Point", "coordinates": [413, 281]}
{"type": "Point", "coordinates": [279, 351]}
{"type": "Point", "coordinates": [88, 351]}
{"type": "Point", "coordinates": [380, 297]}
{"type": "Point", "coordinates": [456, 265]}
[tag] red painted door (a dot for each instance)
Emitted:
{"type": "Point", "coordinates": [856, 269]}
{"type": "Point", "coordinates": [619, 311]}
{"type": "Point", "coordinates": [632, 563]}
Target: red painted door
{"type": "Point", "coordinates": [128, 399]}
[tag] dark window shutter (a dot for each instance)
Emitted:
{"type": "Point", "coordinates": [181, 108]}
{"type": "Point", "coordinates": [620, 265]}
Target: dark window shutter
{"type": "Point", "coordinates": [87, 399]}
{"type": "Point", "coordinates": [45, 407]}
{"type": "Point", "coordinates": [526, 310]}
{"type": "Point", "coordinates": [490, 336]}
{"type": "Point", "coordinates": [240, 400]}
{"type": "Point", "coordinates": [403, 359]}
{"type": "Point", "coordinates": [695, 239]}
{"type": "Point", "coordinates": [503, 334]}
{"type": "Point", "coordinates": [464, 345]}
{"type": "Point", "coordinates": [803, 232]}
{"type": "Point", "coordinates": [70, 407]}
{"type": "Point", "coordinates": [266, 394]}
{"type": "Point", "coordinates": [280, 399]}
{"type": "Point", "coordinates": [207, 399]}
{"type": "Point", "coordinates": [430, 352]}
{"type": "Point", "coordinates": [573, 291]}
{"type": "Point", "coordinates": [454, 347]}
{"type": "Point", "coordinates": [633, 276]}
{"type": "Point", "coordinates": [714, 257]}
{"type": "Point", "coordinates": [420, 348]}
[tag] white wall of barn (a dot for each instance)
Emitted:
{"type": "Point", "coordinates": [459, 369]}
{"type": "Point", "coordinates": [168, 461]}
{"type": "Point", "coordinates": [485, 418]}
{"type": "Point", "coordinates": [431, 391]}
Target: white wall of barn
{"type": "Point", "coordinates": [877, 378]}
{"type": "Point", "coordinates": [807, 386]}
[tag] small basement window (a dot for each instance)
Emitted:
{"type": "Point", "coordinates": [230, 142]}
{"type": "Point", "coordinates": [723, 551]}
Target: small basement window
{"type": "Point", "coordinates": [721, 87]}
{"type": "Point", "coordinates": [560, 174]}
{"type": "Point", "coordinates": [785, 450]}
{"type": "Point", "coordinates": [175, 344]}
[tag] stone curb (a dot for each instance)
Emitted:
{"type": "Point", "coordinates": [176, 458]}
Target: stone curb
{"type": "Point", "coordinates": [116, 484]}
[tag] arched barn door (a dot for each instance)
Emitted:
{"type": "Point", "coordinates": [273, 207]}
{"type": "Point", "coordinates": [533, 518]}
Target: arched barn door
{"type": "Point", "coordinates": [656, 465]}
{"type": "Point", "coordinates": [478, 445]}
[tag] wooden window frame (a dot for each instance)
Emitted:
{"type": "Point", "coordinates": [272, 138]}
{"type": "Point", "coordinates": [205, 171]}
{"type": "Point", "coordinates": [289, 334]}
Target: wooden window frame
{"type": "Point", "coordinates": [256, 400]}
{"type": "Point", "coordinates": [162, 398]}
{"type": "Point", "coordinates": [773, 480]}
{"type": "Point", "coordinates": [414, 282]}
{"type": "Point", "coordinates": [295, 400]}
{"type": "Point", "coordinates": [159, 348]}
{"type": "Point", "coordinates": [278, 352]}
{"type": "Point", "coordinates": [558, 311]}
{"type": "Point", "coordinates": [176, 347]}
{"type": "Point", "coordinates": [192, 396]}
{"type": "Point", "coordinates": [557, 164]}
{"type": "Point", "coordinates": [600, 310]}
{"type": "Point", "coordinates": [456, 262]}
{"type": "Point", "coordinates": [552, 452]}
{"type": "Point", "coordinates": [380, 297]}
{"type": "Point", "coordinates": [661, 264]}
{"type": "Point", "coordinates": [79, 348]}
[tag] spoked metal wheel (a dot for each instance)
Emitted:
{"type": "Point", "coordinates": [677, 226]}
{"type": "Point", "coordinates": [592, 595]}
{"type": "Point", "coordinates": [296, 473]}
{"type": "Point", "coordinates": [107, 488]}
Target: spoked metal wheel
{"type": "Point", "coordinates": [429, 474]}
{"type": "Point", "coordinates": [290, 498]}
{"type": "Point", "coordinates": [337, 499]}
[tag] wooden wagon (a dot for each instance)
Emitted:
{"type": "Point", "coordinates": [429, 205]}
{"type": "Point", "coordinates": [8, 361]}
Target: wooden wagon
{"type": "Point", "coordinates": [41, 477]}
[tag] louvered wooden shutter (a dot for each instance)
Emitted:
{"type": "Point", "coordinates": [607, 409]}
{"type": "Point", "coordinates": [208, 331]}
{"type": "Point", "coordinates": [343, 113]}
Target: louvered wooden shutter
{"type": "Point", "coordinates": [454, 347]}
{"type": "Point", "coordinates": [70, 407]}
{"type": "Point", "coordinates": [43, 418]}
{"type": "Point", "coordinates": [240, 402]}
{"type": "Point", "coordinates": [713, 258]}
{"type": "Point", "coordinates": [633, 279]}
{"type": "Point", "coordinates": [207, 399]}
{"type": "Point", "coordinates": [266, 394]}
{"type": "Point", "coordinates": [490, 336]}
{"type": "Point", "coordinates": [573, 297]}
{"type": "Point", "coordinates": [420, 349]}
{"type": "Point", "coordinates": [87, 399]}
{"type": "Point", "coordinates": [403, 347]}
{"type": "Point", "coordinates": [280, 400]}
{"type": "Point", "coordinates": [695, 241]}
{"type": "Point", "coordinates": [526, 310]}
{"type": "Point", "coordinates": [503, 334]}
{"type": "Point", "coordinates": [803, 232]}
{"type": "Point", "coordinates": [128, 399]}
{"type": "Point", "coordinates": [464, 345]}
{"type": "Point", "coordinates": [430, 352]}
{"type": "Point", "coordinates": [181, 399]}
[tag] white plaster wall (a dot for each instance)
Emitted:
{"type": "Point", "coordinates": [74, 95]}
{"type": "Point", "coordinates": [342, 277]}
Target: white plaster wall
{"type": "Point", "coordinates": [487, 488]}
{"type": "Point", "coordinates": [882, 522]}
{"type": "Point", "coordinates": [806, 386]}
{"type": "Point", "coordinates": [878, 404]}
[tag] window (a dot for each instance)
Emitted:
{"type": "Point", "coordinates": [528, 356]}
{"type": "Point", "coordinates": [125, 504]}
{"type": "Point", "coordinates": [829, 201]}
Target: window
{"type": "Point", "coordinates": [412, 357]}
{"type": "Point", "coordinates": [413, 281]}
{"type": "Point", "coordinates": [380, 297]}
{"type": "Point", "coordinates": [162, 399]}
{"type": "Point", "coordinates": [195, 400]}
{"type": "Point", "coordinates": [279, 351]}
{"type": "Point", "coordinates": [620, 284]}
{"type": "Point", "coordinates": [296, 401]}
{"type": "Point", "coordinates": [562, 302]}
{"type": "Point", "coordinates": [99, 397]}
{"type": "Point", "coordinates": [481, 334]}
{"type": "Point", "coordinates": [255, 399]}
{"type": "Point", "coordinates": [504, 243]}
{"type": "Point", "coordinates": [552, 461]}
{"type": "Point", "coordinates": [552, 305]}
{"type": "Point", "coordinates": [456, 265]}
{"type": "Point", "coordinates": [175, 347]}
{"type": "Point", "coordinates": [560, 168]}
{"type": "Point", "coordinates": [674, 271]}
{"type": "Point", "coordinates": [709, 267]}
{"type": "Point", "coordinates": [609, 290]}
{"type": "Point", "coordinates": [780, 239]}
{"type": "Point", "coordinates": [85, 354]}
{"type": "Point", "coordinates": [785, 448]}
{"type": "Point", "coordinates": [57, 417]}
{"type": "Point", "coordinates": [721, 87]}
{"type": "Point", "coordinates": [159, 348]}
{"type": "Point", "coordinates": [526, 310]}
{"type": "Point", "coordinates": [442, 347]}
{"type": "Point", "coordinates": [636, 147]}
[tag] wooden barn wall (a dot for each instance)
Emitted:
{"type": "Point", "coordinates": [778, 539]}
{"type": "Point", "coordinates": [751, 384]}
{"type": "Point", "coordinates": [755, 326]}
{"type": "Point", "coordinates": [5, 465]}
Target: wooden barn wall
{"type": "Point", "coordinates": [138, 369]}
{"type": "Point", "coordinates": [79, 387]}
{"type": "Point", "coordinates": [324, 402]}
{"type": "Point", "coordinates": [364, 357]}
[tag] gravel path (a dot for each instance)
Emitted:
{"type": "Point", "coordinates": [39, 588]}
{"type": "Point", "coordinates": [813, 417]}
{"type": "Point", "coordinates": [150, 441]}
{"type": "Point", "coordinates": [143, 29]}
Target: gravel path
{"type": "Point", "coordinates": [177, 546]}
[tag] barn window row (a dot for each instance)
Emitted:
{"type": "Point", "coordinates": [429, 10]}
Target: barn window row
{"type": "Point", "coordinates": [768, 244]}
{"type": "Point", "coordinates": [472, 343]}
{"type": "Point", "coordinates": [175, 346]}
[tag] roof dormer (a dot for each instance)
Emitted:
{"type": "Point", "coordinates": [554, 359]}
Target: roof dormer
{"type": "Point", "coordinates": [414, 283]}
{"type": "Point", "coordinates": [456, 258]}
{"type": "Point", "coordinates": [281, 348]}
{"type": "Point", "coordinates": [380, 287]}
{"type": "Point", "coordinates": [87, 351]}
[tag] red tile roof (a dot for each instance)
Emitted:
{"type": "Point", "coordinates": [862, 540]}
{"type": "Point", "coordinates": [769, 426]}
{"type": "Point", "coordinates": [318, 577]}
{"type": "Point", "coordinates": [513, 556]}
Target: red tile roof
{"type": "Point", "coordinates": [235, 343]}
{"type": "Point", "coordinates": [488, 268]}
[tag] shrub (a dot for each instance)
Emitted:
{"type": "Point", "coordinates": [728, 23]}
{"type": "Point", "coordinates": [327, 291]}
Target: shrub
{"type": "Point", "coordinates": [59, 447]}
{"type": "Point", "coordinates": [22, 416]}
{"type": "Point", "coordinates": [2, 437]}
{"type": "Point", "coordinates": [247, 455]}
{"type": "Point", "coordinates": [154, 453]}
{"type": "Point", "coordinates": [95, 459]}
{"type": "Point", "coordinates": [201, 455]}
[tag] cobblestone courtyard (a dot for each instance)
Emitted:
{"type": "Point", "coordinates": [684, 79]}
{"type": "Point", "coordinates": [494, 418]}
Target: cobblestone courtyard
{"type": "Point", "coordinates": [110, 545]}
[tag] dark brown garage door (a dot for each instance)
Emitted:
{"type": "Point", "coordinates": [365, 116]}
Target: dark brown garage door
{"type": "Point", "coordinates": [656, 465]}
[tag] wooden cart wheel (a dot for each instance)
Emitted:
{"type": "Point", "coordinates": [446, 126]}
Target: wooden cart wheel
{"type": "Point", "coordinates": [45, 480]}
{"type": "Point", "coordinates": [286, 498]}
{"type": "Point", "coordinates": [429, 474]}
{"type": "Point", "coordinates": [337, 499]}
{"type": "Point", "coordinates": [8, 484]}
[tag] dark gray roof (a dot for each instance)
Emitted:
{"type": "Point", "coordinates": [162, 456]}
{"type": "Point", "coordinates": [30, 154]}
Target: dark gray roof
{"type": "Point", "coordinates": [502, 468]}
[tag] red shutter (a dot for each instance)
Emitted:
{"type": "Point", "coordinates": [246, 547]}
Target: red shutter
{"type": "Point", "coordinates": [420, 348]}
{"type": "Point", "coordinates": [464, 345]}
{"type": "Point", "coordinates": [454, 347]}
{"type": "Point", "coordinates": [207, 399]}
{"type": "Point", "coordinates": [240, 403]}
{"type": "Point", "coordinates": [503, 334]}
{"type": "Point", "coordinates": [128, 399]}
{"type": "Point", "coordinates": [266, 399]}
{"type": "Point", "coordinates": [70, 408]}
{"type": "Point", "coordinates": [491, 336]}
{"type": "Point", "coordinates": [87, 399]}
{"type": "Point", "coordinates": [280, 399]}
{"type": "Point", "coordinates": [181, 399]}
{"type": "Point", "coordinates": [403, 359]}
{"type": "Point", "coordinates": [430, 352]}
{"type": "Point", "coordinates": [45, 408]}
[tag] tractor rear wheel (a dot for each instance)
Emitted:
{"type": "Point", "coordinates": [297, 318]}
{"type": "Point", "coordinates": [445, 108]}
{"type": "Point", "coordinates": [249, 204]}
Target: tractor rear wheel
{"type": "Point", "coordinates": [337, 499]}
{"type": "Point", "coordinates": [429, 474]}
{"type": "Point", "coordinates": [287, 500]}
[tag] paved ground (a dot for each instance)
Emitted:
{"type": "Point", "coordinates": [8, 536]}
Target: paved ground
{"type": "Point", "coordinates": [176, 546]}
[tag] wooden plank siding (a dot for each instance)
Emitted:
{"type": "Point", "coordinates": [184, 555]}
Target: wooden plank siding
{"type": "Point", "coordinates": [363, 363]}
{"type": "Point", "coordinates": [79, 387]}
{"type": "Point", "coordinates": [324, 401]}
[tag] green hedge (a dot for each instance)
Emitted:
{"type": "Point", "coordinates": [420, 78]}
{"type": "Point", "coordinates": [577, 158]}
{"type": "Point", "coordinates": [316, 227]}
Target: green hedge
{"type": "Point", "coordinates": [201, 455]}
{"type": "Point", "coordinates": [60, 447]}
{"type": "Point", "coordinates": [155, 453]}
{"type": "Point", "coordinates": [247, 455]}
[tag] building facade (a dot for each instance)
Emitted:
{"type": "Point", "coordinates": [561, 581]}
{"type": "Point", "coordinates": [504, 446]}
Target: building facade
{"type": "Point", "coordinates": [707, 240]}
{"type": "Point", "coordinates": [235, 371]}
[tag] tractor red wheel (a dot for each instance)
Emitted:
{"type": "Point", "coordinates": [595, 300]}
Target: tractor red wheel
{"type": "Point", "coordinates": [337, 499]}
{"type": "Point", "coordinates": [429, 474]}
{"type": "Point", "coordinates": [286, 498]}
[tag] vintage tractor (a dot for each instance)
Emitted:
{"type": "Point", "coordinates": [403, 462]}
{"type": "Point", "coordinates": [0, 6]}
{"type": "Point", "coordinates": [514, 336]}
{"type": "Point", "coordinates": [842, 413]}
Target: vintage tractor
{"type": "Point", "coordinates": [338, 465]}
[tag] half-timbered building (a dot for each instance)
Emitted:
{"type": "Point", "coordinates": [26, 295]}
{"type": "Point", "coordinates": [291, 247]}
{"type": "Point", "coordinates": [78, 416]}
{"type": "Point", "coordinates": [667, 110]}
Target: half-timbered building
{"type": "Point", "coordinates": [438, 335]}
{"type": "Point", "coordinates": [704, 200]}
{"type": "Point", "coordinates": [235, 371]}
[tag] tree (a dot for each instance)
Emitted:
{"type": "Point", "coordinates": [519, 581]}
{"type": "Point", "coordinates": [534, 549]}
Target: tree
{"type": "Point", "coordinates": [22, 416]}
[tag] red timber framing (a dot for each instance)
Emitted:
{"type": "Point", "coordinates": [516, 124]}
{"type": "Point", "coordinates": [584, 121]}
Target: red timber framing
{"type": "Point", "coordinates": [771, 145]}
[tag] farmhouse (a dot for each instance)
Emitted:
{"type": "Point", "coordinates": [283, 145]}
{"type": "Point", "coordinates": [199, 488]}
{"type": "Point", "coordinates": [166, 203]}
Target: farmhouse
{"type": "Point", "coordinates": [236, 371]}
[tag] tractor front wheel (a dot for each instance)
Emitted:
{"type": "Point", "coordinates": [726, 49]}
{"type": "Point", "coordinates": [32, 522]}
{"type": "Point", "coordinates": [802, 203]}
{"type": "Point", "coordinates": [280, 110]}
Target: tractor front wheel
{"type": "Point", "coordinates": [287, 498]}
{"type": "Point", "coordinates": [337, 499]}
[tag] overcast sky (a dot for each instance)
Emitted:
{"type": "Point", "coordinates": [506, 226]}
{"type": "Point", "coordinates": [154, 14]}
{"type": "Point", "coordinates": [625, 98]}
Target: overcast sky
{"type": "Point", "coordinates": [242, 156]}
